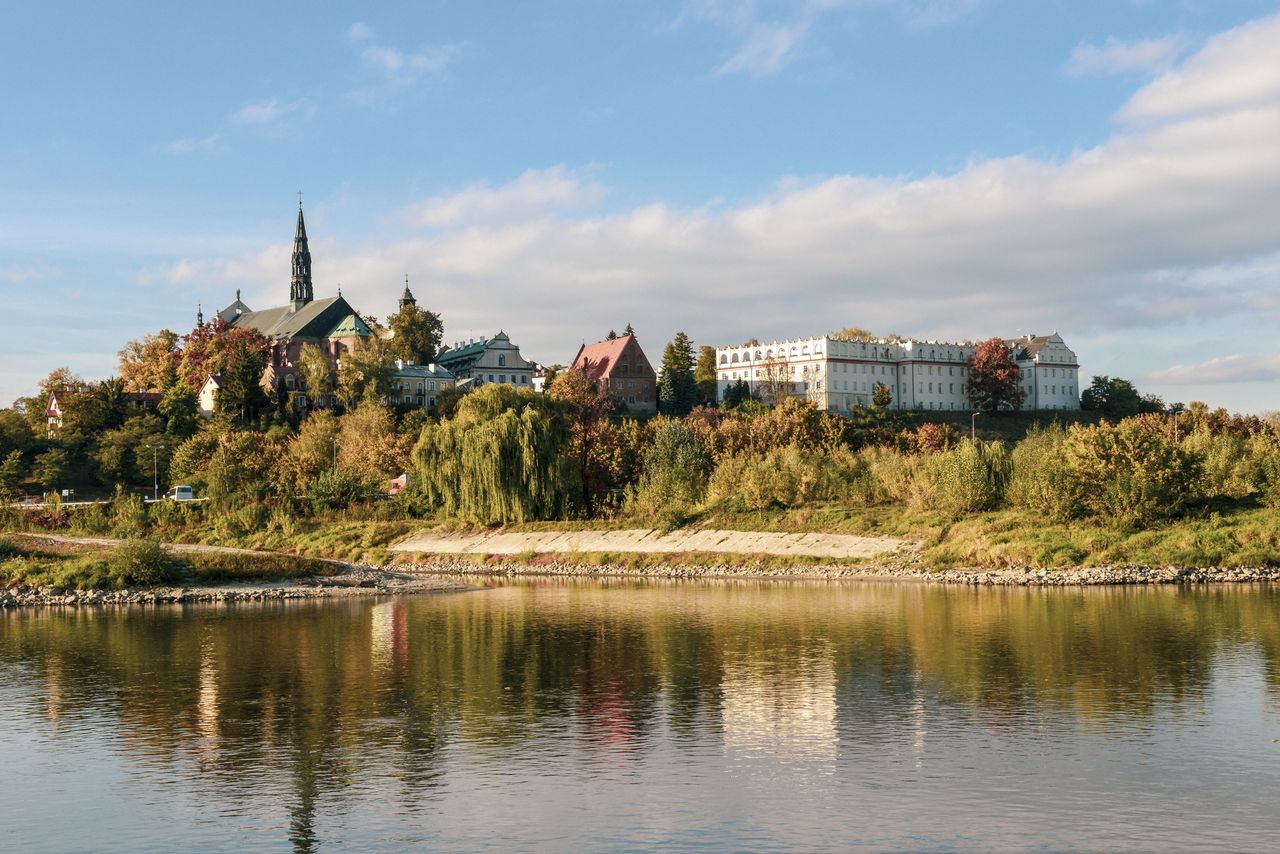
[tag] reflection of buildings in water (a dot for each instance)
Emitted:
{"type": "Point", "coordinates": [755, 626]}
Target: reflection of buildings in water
{"type": "Point", "coordinates": [781, 709]}
{"type": "Point", "coordinates": [207, 703]}
{"type": "Point", "coordinates": [389, 634]}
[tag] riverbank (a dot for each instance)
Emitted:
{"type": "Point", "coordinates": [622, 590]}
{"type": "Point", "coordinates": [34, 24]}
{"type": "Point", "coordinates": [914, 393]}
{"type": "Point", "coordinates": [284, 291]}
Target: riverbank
{"type": "Point", "coordinates": [276, 577]}
{"type": "Point", "coordinates": [710, 566]}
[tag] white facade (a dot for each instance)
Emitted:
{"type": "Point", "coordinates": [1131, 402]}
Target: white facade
{"type": "Point", "coordinates": [839, 374]}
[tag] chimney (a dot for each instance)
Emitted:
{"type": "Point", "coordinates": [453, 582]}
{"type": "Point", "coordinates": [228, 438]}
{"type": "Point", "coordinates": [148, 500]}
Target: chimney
{"type": "Point", "coordinates": [399, 364]}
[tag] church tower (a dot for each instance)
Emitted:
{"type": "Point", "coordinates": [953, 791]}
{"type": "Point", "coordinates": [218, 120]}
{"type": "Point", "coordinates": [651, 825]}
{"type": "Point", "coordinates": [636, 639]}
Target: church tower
{"type": "Point", "coordinates": [406, 299]}
{"type": "Point", "coordinates": [300, 285]}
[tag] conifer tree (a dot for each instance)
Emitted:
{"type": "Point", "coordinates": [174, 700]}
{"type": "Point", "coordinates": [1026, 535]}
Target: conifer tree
{"type": "Point", "coordinates": [704, 374]}
{"type": "Point", "coordinates": [677, 391]}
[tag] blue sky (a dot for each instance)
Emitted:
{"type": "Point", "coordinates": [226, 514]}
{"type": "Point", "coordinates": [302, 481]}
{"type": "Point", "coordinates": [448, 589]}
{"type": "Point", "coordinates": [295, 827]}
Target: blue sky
{"type": "Point", "coordinates": [937, 168]}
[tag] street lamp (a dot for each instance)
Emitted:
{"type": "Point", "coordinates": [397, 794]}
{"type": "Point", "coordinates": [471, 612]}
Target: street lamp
{"type": "Point", "coordinates": [973, 426]}
{"type": "Point", "coordinates": [155, 471]}
{"type": "Point", "coordinates": [335, 454]}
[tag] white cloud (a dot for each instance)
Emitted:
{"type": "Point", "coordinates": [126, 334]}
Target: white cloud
{"type": "Point", "coordinates": [533, 194]}
{"type": "Point", "coordinates": [360, 32]}
{"type": "Point", "coordinates": [768, 41]}
{"type": "Point", "coordinates": [1161, 226]}
{"type": "Point", "coordinates": [1235, 368]}
{"type": "Point", "coordinates": [766, 49]}
{"type": "Point", "coordinates": [192, 145]}
{"type": "Point", "coordinates": [1119, 57]}
{"type": "Point", "coordinates": [270, 111]}
{"type": "Point", "coordinates": [262, 112]}
{"type": "Point", "coordinates": [1233, 71]}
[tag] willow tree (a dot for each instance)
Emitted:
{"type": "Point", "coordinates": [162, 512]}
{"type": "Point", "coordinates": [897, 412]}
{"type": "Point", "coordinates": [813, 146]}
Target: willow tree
{"type": "Point", "coordinates": [503, 457]}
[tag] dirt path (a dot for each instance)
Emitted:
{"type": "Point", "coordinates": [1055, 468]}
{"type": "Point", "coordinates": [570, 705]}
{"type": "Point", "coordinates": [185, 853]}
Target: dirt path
{"type": "Point", "coordinates": [652, 542]}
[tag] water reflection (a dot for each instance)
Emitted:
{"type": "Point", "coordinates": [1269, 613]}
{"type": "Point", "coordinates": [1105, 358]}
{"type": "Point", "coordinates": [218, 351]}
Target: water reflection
{"type": "Point", "coordinates": [648, 714]}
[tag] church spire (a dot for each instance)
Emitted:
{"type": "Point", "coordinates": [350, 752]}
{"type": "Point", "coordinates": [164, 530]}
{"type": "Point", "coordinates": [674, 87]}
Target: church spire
{"type": "Point", "coordinates": [300, 285]}
{"type": "Point", "coordinates": [406, 299]}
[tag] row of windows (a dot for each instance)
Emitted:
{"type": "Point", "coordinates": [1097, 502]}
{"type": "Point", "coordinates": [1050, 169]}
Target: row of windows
{"type": "Point", "coordinates": [502, 378]}
{"type": "Point", "coordinates": [404, 385]}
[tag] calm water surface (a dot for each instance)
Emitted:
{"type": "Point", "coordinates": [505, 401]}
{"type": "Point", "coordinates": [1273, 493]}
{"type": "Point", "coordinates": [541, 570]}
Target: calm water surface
{"type": "Point", "coordinates": [574, 715]}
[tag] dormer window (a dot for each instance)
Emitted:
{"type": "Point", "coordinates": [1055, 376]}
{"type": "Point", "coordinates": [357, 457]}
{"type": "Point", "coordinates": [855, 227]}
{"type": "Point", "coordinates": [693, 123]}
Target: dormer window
{"type": "Point", "coordinates": [502, 361]}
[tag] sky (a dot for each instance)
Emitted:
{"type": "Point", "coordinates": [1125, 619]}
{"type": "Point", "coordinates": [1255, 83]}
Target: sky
{"type": "Point", "coordinates": [943, 169]}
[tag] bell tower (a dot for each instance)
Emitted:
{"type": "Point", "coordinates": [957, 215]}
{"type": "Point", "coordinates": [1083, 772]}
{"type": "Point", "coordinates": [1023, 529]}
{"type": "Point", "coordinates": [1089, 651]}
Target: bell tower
{"type": "Point", "coordinates": [300, 292]}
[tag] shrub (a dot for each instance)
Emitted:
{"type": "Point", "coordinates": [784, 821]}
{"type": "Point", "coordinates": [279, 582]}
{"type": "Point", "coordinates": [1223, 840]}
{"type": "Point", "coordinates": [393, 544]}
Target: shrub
{"type": "Point", "coordinates": [966, 479]}
{"type": "Point", "coordinates": [128, 514]}
{"type": "Point", "coordinates": [891, 473]}
{"type": "Point", "coordinates": [789, 477]}
{"type": "Point", "coordinates": [336, 489]}
{"type": "Point", "coordinates": [1039, 480]}
{"type": "Point", "coordinates": [1128, 472]}
{"type": "Point", "coordinates": [675, 475]}
{"type": "Point", "coordinates": [140, 562]}
{"type": "Point", "coordinates": [8, 549]}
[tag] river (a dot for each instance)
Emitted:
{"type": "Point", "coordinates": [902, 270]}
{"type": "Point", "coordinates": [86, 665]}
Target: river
{"type": "Point", "coordinates": [622, 715]}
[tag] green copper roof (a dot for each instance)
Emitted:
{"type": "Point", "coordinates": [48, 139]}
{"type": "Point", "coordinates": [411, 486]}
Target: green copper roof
{"type": "Point", "coordinates": [350, 326]}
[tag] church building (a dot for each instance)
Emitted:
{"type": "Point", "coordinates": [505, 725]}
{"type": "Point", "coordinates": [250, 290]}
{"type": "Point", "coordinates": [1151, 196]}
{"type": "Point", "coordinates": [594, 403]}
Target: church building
{"type": "Point", "coordinates": [331, 323]}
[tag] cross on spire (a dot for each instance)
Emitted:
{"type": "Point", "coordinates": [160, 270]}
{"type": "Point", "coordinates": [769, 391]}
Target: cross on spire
{"type": "Point", "coordinates": [299, 200]}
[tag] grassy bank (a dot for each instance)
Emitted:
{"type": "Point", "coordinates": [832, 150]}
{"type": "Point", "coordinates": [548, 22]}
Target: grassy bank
{"type": "Point", "coordinates": [1231, 535]}
{"type": "Point", "coordinates": [40, 562]}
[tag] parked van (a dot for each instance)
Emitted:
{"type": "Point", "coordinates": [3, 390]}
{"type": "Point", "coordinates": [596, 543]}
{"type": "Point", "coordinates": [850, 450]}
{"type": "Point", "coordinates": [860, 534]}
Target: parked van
{"type": "Point", "coordinates": [181, 493]}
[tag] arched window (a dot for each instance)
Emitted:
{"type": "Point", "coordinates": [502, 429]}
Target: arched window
{"type": "Point", "coordinates": [724, 360]}
{"type": "Point", "coordinates": [502, 361]}
{"type": "Point", "coordinates": [734, 360]}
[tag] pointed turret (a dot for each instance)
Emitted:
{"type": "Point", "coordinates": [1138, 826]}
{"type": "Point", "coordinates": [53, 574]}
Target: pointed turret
{"type": "Point", "coordinates": [300, 285]}
{"type": "Point", "coordinates": [406, 299]}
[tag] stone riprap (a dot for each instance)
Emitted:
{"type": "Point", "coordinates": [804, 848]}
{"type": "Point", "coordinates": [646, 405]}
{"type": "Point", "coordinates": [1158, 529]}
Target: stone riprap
{"type": "Point", "coordinates": [897, 570]}
{"type": "Point", "coordinates": [648, 541]}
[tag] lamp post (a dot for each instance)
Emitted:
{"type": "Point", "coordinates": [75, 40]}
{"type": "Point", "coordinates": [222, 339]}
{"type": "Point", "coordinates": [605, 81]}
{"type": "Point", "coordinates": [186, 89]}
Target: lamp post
{"type": "Point", "coordinates": [335, 454]}
{"type": "Point", "coordinates": [155, 471]}
{"type": "Point", "coordinates": [973, 426]}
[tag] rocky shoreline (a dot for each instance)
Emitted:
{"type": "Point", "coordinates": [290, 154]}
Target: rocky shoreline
{"type": "Point", "coordinates": [556, 567]}
{"type": "Point", "coordinates": [365, 581]}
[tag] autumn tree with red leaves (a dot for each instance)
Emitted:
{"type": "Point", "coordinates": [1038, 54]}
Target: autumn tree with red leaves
{"type": "Point", "coordinates": [995, 382]}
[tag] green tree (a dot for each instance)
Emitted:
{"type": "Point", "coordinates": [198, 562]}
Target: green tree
{"type": "Point", "coordinates": [994, 379]}
{"type": "Point", "coordinates": [627, 330]}
{"type": "Point", "coordinates": [1112, 395]}
{"type": "Point", "coordinates": [315, 368]}
{"type": "Point", "coordinates": [121, 456]}
{"type": "Point", "coordinates": [501, 458]}
{"type": "Point", "coordinates": [181, 411]}
{"type": "Point", "coordinates": [13, 471]}
{"type": "Point", "coordinates": [736, 394]}
{"type": "Point", "coordinates": [675, 475]}
{"type": "Point", "coordinates": [677, 390]}
{"type": "Point", "coordinates": [52, 468]}
{"type": "Point", "coordinates": [704, 375]}
{"type": "Point", "coordinates": [365, 373]}
{"type": "Point", "coordinates": [1130, 472]}
{"type": "Point", "coordinates": [415, 335]}
{"type": "Point", "coordinates": [612, 336]}
{"type": "Point", "coordinates": [15, 432]}
{"type": "Point", "coordinates": [881, 395]}
{"type": "Point", "coordinates": [587, 408]}
{"type": "Point", "coordinates": [242, 393]}
{"type": "Point", "coordinates": [311, 452]}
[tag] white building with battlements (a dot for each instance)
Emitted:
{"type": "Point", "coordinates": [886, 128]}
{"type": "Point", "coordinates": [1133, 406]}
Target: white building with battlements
{"type": "Point", "coordinates": [839, 374]}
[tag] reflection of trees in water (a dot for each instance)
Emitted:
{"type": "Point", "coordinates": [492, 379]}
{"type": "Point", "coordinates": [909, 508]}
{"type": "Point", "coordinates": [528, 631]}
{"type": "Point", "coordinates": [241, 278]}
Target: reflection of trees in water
{"type": "Point", "coordinates": [310, 698]}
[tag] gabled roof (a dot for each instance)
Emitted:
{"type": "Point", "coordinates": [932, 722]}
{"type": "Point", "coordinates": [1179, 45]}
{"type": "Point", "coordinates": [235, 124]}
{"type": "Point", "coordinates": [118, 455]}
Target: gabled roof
{"type": "Point", "coordinates": [314, 320]}
{"type": "Point", "coordinates": [603, 356]}
{"type": "Point", "coordinates": [463, 355]}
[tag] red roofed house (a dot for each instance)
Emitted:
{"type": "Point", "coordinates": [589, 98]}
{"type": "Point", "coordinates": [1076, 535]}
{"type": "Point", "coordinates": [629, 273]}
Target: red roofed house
{"type": "Point", "coordinates": [621, 369]}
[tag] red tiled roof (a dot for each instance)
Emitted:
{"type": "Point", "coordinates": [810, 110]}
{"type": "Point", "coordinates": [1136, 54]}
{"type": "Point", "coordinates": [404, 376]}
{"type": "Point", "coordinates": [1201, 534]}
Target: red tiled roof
{"type": "Point", "coordinates": [601, 357]}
